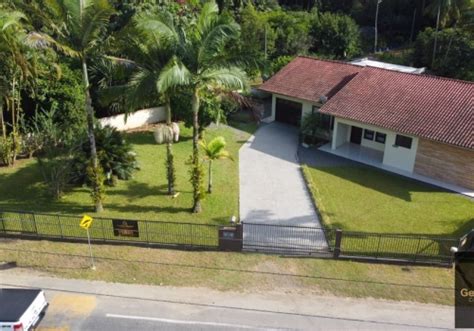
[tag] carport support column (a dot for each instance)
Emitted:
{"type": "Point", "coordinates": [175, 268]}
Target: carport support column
{"type": "Point", "coordinates": [334, 135]}
{"type": "Point", "coordinates": [272, 117]}
{"type": "Point", "coordinates": [337, 245]}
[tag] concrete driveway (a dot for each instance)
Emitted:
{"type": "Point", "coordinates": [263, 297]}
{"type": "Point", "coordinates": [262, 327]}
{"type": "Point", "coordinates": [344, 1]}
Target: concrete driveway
{"type": "Point", "coordinates": [273, 191]}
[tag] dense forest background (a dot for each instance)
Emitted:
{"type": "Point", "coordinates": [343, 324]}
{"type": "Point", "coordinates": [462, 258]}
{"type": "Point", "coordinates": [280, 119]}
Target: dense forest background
{"type": "Point", "coordinates": [274, 32]}
{"type": "Point", "coordinates": [64, 63]}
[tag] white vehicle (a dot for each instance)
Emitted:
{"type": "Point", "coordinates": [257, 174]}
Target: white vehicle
{"type": "Point", "coordinates": [21, 309]}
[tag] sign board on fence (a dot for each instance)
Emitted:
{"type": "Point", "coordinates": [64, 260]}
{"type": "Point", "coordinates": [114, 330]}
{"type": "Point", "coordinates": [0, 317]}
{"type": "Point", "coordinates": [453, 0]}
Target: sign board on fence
{"type": "Point", "coordinates": [124, 228]}
{"type": "Point", "coordinates": [86, 222]}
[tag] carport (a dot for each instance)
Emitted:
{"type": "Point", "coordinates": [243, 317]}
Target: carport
{"type": "Point", "coordinates": [287, 111]}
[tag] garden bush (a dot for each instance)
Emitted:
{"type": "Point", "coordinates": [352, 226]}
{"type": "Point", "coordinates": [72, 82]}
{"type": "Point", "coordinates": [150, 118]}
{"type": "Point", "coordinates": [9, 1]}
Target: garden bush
{"type": "Point", "coordinates": [55, 152]}
{"type": "Point", "coordinates": [115, 154]}
{"type": "Point", "coordinates": [454, 53]}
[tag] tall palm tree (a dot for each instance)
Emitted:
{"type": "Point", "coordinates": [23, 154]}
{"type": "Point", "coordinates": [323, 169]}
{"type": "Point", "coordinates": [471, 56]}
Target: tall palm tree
{"type": "Point", "coordinates": [443, 10]}
{"type": "Point", "coordinates": [147, 54]}
{"type": "Point", "coordinates": [201, 66]}
{"type": "Point", "coordinates": [17, 63]}
{"type": "Point", "coordinates": [463, 18]}
{"type": "Point", "coordinates": [77, 27]}
{"type": "Point", "coordinates": [214, 150]}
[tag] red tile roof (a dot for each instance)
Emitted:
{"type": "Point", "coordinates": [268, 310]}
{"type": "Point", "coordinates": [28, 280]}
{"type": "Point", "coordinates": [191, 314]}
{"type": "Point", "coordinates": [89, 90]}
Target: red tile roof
{"type": "Point", "coordinates": [430, 107]}
{"type": "Point", "coordinates": [308, 78]}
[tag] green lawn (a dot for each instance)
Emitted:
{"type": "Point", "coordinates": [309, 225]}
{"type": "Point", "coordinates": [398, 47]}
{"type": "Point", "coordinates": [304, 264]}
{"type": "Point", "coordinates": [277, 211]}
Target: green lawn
{"type": "Point", "coordinates": [252, 273]}
{"type": "Point", "coordinates": [360, 198]}
{"type": "Point", "coordinates": [144, 196]}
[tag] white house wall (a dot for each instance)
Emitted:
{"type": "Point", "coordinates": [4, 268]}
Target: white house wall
{"type": "Point", "coordinates": [136, 119]}
{"type": "Point", "coordinates": [394, 156]}
{"type": "Point", "coordinates": [400, 157]}
{"type": "Point", "coordinates": [340, 134]}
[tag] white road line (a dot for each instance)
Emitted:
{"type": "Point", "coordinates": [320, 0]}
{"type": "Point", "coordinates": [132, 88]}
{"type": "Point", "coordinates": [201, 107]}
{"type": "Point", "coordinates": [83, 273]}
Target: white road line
{"type": "Point", "coordinates": [172, 321]}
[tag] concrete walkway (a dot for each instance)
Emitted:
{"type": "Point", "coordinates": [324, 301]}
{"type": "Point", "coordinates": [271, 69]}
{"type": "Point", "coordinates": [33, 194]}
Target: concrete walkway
{"type": "Point", "coordinates": [273, 192]}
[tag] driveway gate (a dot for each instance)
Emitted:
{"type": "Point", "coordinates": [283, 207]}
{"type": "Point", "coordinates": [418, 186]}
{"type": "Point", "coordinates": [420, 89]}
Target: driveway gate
{"type": "Point", "coordinates": [285, 239]}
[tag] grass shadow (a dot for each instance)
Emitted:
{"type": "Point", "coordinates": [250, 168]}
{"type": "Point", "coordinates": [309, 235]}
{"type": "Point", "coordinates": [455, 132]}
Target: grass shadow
{"type": "Point", "coordinates": [382, 181]}
{"type": "Point", "coordinates": [147, 138]}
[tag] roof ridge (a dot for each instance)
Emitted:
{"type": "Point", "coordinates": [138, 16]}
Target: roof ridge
{"type": "Point", "coordinates": [385, 69]}
{"type": "Point", "coordinates": [419, 75]}
{"type": "Point", "coordinates": [330, 61]}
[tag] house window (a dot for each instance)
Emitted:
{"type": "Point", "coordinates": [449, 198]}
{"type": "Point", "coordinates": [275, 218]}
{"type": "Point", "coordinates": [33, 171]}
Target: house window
{"type": "Point", "coordinates": [403, 141]}
{"type": "Point", "coordinates": [380, 137]}
{"type": "Point", "coordinates": [369, 134]}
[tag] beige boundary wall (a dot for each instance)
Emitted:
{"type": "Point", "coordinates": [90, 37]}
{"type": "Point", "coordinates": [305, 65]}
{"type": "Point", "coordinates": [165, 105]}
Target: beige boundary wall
{"type": "Point", "coordinates": [446, 163]}
{"type": "Point", "coordinates": [136, 119]}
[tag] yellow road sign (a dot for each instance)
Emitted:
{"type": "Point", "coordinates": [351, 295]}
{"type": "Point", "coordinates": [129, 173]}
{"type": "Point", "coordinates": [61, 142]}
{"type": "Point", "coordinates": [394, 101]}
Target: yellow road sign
{"type": "Point", "coordinates": [86, 222]}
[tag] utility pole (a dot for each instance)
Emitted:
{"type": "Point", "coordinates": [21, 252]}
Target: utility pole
{"type": "Point", "coordinates": [412, 33]}
{"type": "Point", "coordinates": [376, 23]}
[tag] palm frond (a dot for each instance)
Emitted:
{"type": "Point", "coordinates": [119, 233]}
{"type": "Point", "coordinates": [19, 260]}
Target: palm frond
{"type": "Point", "coordinates": [173, 75]}
{"type": "Point", "coordinates": [209, 13]}
{"type": "Point", "coordinates": [42, 40]}
{"type": "Point", "coordinates": [95, 17]}
{"type": "Point", "coordinates": [141, 90]}
{"type": "Point", "coordinates": [224, 155]}
{"type": "Point", "coordinates": [214, 150]}
{"type": "Point", "coordinates": [10, 19]}
{"type": "Point", "coordinates": [160, 27]}
{"type": "Point", "coordinates": [121, 61]}
{"type": "Point", "coordinates": [227, 78]}
{"type": "Point", "coordinates": [215, 39]}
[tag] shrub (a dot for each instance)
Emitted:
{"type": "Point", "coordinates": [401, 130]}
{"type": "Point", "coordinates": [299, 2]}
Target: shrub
{"type": "Point", "coordinates": [65, 95]}
{"type": "Point", "coordinates": [313, 129]}
{"type": "Point", "coordinates": [335, 35]}
{"type": "Point", "coordinates": [290, 31]}
{"type": "Point", "coordinates": [280, 62]}
{"type": "Point", "coordinates": [56, 170]}
{"type": "Point", "coordinates": [56, 153]}
{"type": "Point", "coordinates": [210, 110]}
{"type": "Point", "coordinates": [115, 154]}
{"type": "Point", "coordinates": [454, 53]}
{"type": "Point", "coordinates": [6, 150]}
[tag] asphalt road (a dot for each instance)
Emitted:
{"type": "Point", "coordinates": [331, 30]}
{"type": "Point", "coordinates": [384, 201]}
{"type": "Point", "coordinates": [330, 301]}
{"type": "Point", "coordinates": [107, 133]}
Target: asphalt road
{"type": "Point", "coordinates": [96, 305]}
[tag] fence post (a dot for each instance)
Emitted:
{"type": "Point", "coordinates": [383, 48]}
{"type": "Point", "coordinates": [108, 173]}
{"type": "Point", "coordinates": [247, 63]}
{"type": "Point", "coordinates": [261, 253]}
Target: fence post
{"type": "Point", "coordinates": [2, 223]}
{"type": "Point", "coordinates": [337, 244]}
{"type": "Point", "coordinates": [34, 222]}
{"type": "Point", "coordinates": [60, 227]}
{"type": "Point", "coordinates": [378, 246]}
{"type": "Point", "coordinates": [102, 226]}
{"type": "Point", "coordinates": [417, 249]}
{"type": "Point", "coordinates": [146, 231]}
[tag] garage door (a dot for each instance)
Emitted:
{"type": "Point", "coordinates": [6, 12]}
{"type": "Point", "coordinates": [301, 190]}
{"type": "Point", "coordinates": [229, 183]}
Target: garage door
{"type": "Point", "coordinates": [288, 111]}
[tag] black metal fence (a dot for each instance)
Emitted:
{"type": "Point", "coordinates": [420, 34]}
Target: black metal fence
{"type": "Point", "coordinates": [66, 227]}
{"type": "Point", "coordinates": [268, 238]}
{"type": "Point", "coordinates": [397, 247]}
{"type": "Point", "coordinates": [384, 247]}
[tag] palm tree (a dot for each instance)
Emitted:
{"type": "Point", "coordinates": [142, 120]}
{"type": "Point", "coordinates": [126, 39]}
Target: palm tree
{"type": "Point", "coordinates": [201, 66]}
{"type": "Point", "coordinates": [77, 28]}
{"type": "Point", "coordinates": [443, 9]}
{"type": "Point", "coordinates": [17, 63]}
{"type": "Point", "coordinates": [214, 150]}
{"type": "Point", "coordinates": [147, 55]}
{"type": "Point", "coordinates": [463, 18]}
